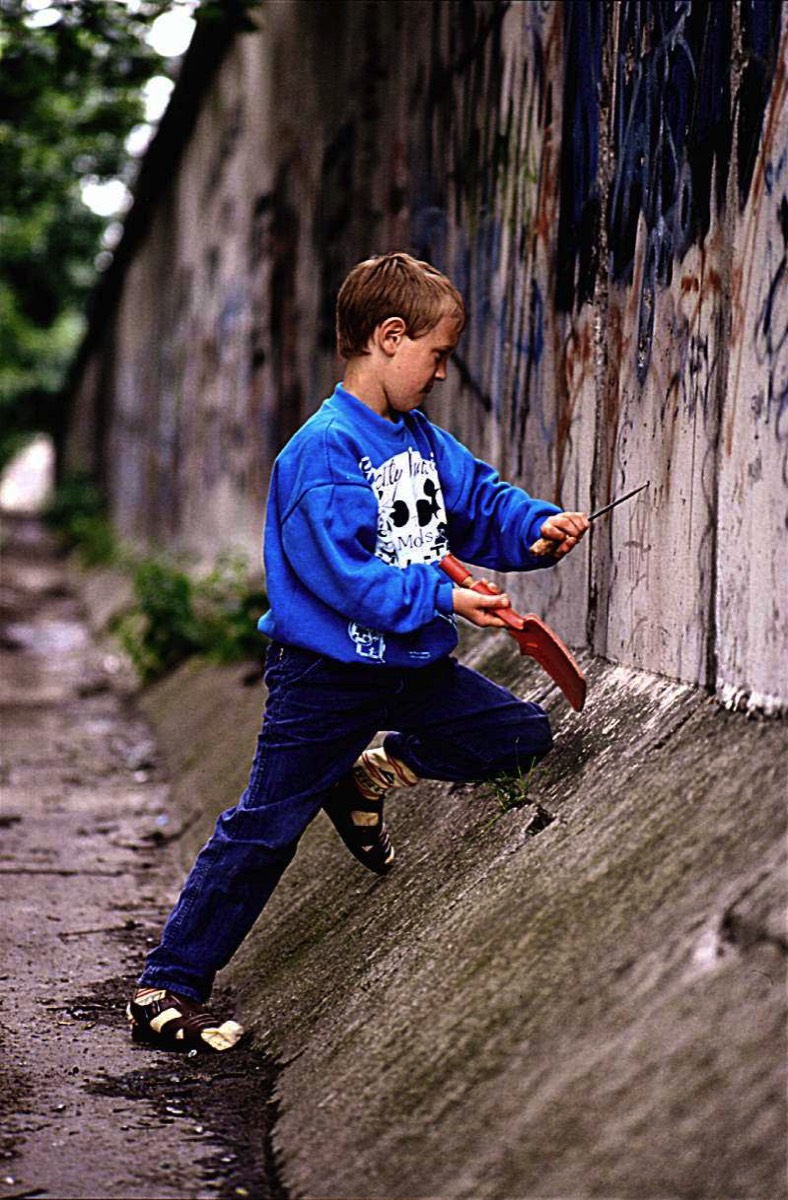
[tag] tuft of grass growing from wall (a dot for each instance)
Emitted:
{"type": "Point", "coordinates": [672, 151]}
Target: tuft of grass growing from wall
{"type": "Point", "coordinates": [511, 789]}
{"type": "Point", "coordinates": [515, 790]}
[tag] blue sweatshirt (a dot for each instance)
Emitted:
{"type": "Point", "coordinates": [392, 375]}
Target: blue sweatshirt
{"type": "Point", "coordinates": [360, 512]}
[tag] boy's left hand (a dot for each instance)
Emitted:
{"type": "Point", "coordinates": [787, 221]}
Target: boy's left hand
{"type": "Point", "coordinates": [565, 529]}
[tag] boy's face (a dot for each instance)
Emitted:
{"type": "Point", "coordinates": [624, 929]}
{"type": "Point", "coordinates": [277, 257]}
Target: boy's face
{"type": "Point", "coordinates": [415, 364]}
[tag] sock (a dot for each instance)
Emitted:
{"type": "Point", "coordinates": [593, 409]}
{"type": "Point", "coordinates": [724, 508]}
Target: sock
{"type": "Point", "coordinates": [374, 772]}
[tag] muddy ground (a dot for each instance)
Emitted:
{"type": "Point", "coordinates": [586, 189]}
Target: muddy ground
{"type": "Point", "coordinates": [573, 988]}
{"type": "Point", "coordinates": [87, 869]}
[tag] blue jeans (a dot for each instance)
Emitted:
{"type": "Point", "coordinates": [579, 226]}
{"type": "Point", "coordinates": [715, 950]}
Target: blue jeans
{"type": "Point", "coordinates": [452, 723]}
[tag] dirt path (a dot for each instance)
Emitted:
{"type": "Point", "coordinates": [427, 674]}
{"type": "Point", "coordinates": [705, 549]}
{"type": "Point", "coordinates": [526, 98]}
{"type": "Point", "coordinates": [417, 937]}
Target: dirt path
{"type": "Point", "coordinates": [87, 874]}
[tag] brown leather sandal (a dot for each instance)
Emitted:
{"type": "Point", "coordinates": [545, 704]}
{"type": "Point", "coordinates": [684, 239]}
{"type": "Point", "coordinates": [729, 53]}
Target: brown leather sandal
{"type": "Point", "coordinates": [160, 1017]}
{"type": "Point", "coordinates": [369, 844]}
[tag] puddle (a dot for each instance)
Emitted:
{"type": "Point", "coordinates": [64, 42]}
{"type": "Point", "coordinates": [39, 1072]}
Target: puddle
{"type": "Point", "coordinates": [228, 1104]}
{"type": "Point", "coordinates": [225, 1101]}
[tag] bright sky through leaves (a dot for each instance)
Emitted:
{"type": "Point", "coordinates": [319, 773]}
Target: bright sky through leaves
{"type": "Point", "coordinates": [156, 93]}
{"type": "Point", "coordinates": [169, 36]}
{"type": "Point", "coordinates": [171, 33]}
{"type": "Point", "coordinates": [105, 197]}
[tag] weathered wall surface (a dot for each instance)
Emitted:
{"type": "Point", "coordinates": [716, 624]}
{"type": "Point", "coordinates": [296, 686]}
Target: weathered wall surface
{"type": "Point", "coordinates": [607, 185]}
{"type": "Point", "coordinates": [582, 996]}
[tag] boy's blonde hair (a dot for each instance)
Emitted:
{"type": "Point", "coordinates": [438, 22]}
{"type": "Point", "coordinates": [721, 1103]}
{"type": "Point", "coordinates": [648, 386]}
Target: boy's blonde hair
{"type": "Point", "coordinates": [393, 285]}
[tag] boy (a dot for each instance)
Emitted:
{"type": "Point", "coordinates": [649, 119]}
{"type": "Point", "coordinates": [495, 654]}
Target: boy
{"type": "Point", "coordinates": [364, 502]}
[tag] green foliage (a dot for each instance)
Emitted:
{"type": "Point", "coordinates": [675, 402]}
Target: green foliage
{"type": "Point", "coordinates": [177, 616]}
{"type": "Point", "coordinates": [162, 630]}
{"type": "Point", "coordinates": [69, 95]}
{"type": "Point", "coordinates": [78, 516]}
{"type": "Point", "coordinates": [228, 610]}
{"type": "Point", "coordinates": [33, 359]}
{"type": "Point", "coordinates": [77, 496]}
{"type": "Point", "coordinates": [511, 789]}
{"type": "Point", "coordinates": [96, 543]}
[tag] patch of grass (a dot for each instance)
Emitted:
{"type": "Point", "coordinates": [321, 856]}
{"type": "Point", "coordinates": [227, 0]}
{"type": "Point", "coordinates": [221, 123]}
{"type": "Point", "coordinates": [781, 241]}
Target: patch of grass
{"type": "Point", "coordinates": [77, 514]}
{"type": "Point", "coordinates": [228, 607]}
{"type": "Point", "coordinates": [514, 791]}
{"type": "Point", "coordinates": [176, 616]}
{"type": "Point", "coordinates": [511, 789]}
{"type": "Point", "coordinates": [160, 631]}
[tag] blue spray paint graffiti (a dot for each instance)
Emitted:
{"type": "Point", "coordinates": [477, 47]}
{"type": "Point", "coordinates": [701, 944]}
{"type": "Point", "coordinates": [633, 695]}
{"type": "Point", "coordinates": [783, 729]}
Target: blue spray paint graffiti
{"type": "Point", "coordinates": [668, 98]}
{"type": "Point", "coordinates": [672, 121]}
{"type": "Point", "coordinates": [771, 337]}
{"type": "Point", "coordinates": [479, 198]}
{"type": "Point", "coordinates": [672, 132]}
{"type": "Point", "coordinates": [760, 35]}
{"type": "Point", "coordinates": [576, 262]}
{"type": "Point", "coordinates": [670, 136]}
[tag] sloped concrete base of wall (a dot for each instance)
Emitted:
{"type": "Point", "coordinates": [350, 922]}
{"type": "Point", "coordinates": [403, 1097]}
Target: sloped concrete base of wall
{"type": "Point", "coordinates": [580, 996]}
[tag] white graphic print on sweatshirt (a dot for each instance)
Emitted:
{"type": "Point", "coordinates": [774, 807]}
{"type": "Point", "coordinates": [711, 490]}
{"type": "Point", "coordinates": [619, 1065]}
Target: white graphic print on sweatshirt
{"type": "Point", "coordinates": [411, 512]}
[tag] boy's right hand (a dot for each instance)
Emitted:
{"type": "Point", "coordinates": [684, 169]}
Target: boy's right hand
{"type": "Point", "coordinates": [478, 608]}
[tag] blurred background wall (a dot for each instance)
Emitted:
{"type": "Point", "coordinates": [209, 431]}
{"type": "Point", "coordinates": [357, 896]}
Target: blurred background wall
{"type": "Point", "coordinates": [605, 182]}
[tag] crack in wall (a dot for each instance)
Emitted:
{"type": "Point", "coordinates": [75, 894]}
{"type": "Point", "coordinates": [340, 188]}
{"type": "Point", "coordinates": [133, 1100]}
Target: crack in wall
{"type": "Point", "coordinates": [541, 820]}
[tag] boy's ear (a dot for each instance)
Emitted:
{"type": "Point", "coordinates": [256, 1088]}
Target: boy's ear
{"type": "Point", "coordinates": [389, 334]}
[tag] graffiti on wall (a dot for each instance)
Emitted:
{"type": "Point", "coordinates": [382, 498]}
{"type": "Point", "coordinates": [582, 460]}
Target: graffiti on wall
{"type": "Point", "coordinates": [512, 210]}
{"type": "Point", "coordinates": [771, 334]}
{"type": "Point", "coordinates": [605, 182]}
{"type": "Point", "coordinates": [673, 127]}
{"type": "Point", "coordinates": [578, 225]}
{"type": "Point", "coordinates": [484, 200]}
{"type": "Point", "coordinates": [767, 338]}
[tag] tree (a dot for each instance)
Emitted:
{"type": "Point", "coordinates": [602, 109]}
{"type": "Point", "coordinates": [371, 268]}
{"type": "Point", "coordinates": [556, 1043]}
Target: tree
{"type": "Point", "coordinates": [70, 93]}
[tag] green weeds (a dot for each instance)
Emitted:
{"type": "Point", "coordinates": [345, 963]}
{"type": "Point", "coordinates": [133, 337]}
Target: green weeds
{"type": "Point", "coordinates": [511, 789]}
{"type": "Point", "coordinates": [177, 616]}
{"type": "Point", "coordinates": [78, 516]}
{"type": "Point", "coordinates": [176, 613]}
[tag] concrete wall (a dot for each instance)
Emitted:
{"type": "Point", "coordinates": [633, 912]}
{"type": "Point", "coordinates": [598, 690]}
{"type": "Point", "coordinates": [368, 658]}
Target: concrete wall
{"type": "Point", "coordinates": [606, 184]}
